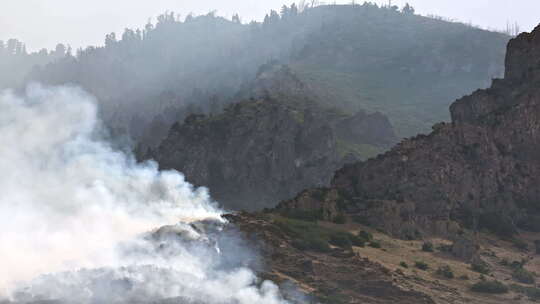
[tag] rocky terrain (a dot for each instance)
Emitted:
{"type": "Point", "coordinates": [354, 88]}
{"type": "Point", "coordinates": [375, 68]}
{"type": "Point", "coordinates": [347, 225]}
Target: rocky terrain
{"type": "Point", "coordinates": [480, 171]}
{"type": "Point", "coordinates": [272, 145]}
{"type": "Point", "coordinates": [449, 217]}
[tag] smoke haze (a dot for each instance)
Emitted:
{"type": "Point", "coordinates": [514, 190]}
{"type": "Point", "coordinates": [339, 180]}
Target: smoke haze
{"type": "Point", "coordinates": [74, 21]}
{"type": "Point", "coordinates": [74, 216]}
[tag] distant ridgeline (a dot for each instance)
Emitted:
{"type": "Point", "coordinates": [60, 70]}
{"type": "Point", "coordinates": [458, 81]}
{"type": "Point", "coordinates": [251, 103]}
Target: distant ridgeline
{"type": "Point", "coordinates": [356, 57]}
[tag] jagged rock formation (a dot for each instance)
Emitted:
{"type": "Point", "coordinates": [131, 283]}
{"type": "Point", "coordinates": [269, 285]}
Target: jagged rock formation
{"type": "Point", "coordinates": [265, 149]}
{"type": "Point", "coordinates": [482, 170]}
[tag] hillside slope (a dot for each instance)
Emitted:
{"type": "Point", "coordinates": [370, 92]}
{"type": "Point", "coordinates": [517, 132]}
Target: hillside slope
{"type": "Point", "coordinates": [452, 216]}
{"type": "Point", "coordinates": [406, 66]}
{"type": "Point", "coordinates": [480, 170]}
{"type": "Point", "coordinates": [268, 147]}
{"type": "Point", "coordinates": [360, 57]}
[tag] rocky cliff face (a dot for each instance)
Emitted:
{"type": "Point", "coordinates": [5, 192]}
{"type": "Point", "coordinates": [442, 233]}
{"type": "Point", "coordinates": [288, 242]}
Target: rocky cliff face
{"type": "Point", "coordinates": [269, 147]}
{"type": "Point", "coordinates": [482, 170]}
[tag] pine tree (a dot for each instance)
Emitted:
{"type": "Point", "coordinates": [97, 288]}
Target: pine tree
{"type": "Point", "coordinates": [408, 9]}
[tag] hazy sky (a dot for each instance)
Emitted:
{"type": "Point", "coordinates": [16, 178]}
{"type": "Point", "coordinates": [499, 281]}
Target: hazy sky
{"type": "Point", "coordinates": [43, 23]}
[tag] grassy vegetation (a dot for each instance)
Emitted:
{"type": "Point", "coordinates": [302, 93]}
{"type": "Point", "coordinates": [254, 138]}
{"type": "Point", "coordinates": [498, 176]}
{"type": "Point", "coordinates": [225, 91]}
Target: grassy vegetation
{"type": "Point", "coordinates": [427, 247]}
{"type": "Point", "coordinates": [311, 236]}
{"type": "Point", "coordinates": [333, 299]}
{"type": "Point", "coordinates": [494, 287]}
{"type": "Point", "coordinates": [309, 216]}
{"type": "Point", "coordinates": [421, 265]}
{"type": "Point", "coordinates": [532, 292]}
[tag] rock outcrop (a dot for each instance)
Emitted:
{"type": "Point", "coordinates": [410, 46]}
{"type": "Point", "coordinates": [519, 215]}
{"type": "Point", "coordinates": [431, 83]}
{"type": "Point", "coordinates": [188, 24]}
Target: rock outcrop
{"type": "Point", "coordinates": [269, 147]}
{"type": "Point", "coordinates": [482, 170]}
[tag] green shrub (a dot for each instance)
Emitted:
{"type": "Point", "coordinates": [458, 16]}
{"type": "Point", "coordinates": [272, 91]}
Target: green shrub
{"type": "Point", "coordinates": [309, 235]}
{"type": "Point", "coordinates": [427, 247]}
{"type": "Point", "coordinates": [340, 240]}
{"type": "Point", "coordinates": [445, 271]}
{"type": "Point", "coordinates": [306, 235]}
{"type": "Point", "coordinates": [495, 287]}
{"type": "Point", "coordinates": [445, 248]}
{"type": "Point", "coordinates": [521, 275]}
{"type": "Point", "coordinates": [421, 265]}
{"type": "Point", "coordinates": [366, 236]}
{"type": "Point", "coordinates": [357, 241]}
{"type": "Point", "coordinates": [340, 219]}
{"type": "Point", "coordinates": [403, 264]}
{"type": "Point", "coordinates": [375, 244]}
{"type": "Point", "coordinates": [480, 267]}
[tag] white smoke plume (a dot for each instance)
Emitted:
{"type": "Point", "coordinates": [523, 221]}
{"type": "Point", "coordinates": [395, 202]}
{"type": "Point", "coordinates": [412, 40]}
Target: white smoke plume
{"type": "Point", "coordinates": [74, 217]}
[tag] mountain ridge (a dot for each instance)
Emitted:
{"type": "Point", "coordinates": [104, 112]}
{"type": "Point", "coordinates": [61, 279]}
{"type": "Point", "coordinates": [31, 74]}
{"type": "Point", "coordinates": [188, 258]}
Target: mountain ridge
{"type": "Point", "coordinates": [451, 215]}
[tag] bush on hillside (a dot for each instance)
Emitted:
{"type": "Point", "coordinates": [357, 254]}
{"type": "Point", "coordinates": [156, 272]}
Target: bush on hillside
{"type": "Point", "coordinates": [445, 271]}
{"type": "Point", "coordinates": [480, 267]}
{"type": "Point", "coordinates": [427, 247]}
{"type": "Point", "coordinates": [341, 240]}
{"type": "Point", "coordinates": [494, 287]}
{"type": "Point", "coordinates": [521, 275]}
{"type": "Point", "coordinates": [375, 244]}
{"type": "Point", "coordinates": [340, 219]}
{"type": "Point", "coordinates": [421, 265]}
{"type": "Point", "coordinates": [314, 244]}
{"type": "Point", "coordinates": [366, 236]}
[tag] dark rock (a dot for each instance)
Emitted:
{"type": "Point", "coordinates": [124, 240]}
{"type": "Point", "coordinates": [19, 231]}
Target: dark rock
{"type": "Point", "coordinates": [263, 150]}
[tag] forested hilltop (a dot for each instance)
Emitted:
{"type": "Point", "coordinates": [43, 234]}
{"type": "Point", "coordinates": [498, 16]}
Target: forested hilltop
{"type": "Point", "coordinates": [357, 57]}
{"type": "Point", "coordinates": [16, 62]}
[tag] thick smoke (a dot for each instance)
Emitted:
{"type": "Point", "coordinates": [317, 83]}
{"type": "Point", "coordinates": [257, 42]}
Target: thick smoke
{"type": "Point", "coordinates": [80, 221]}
